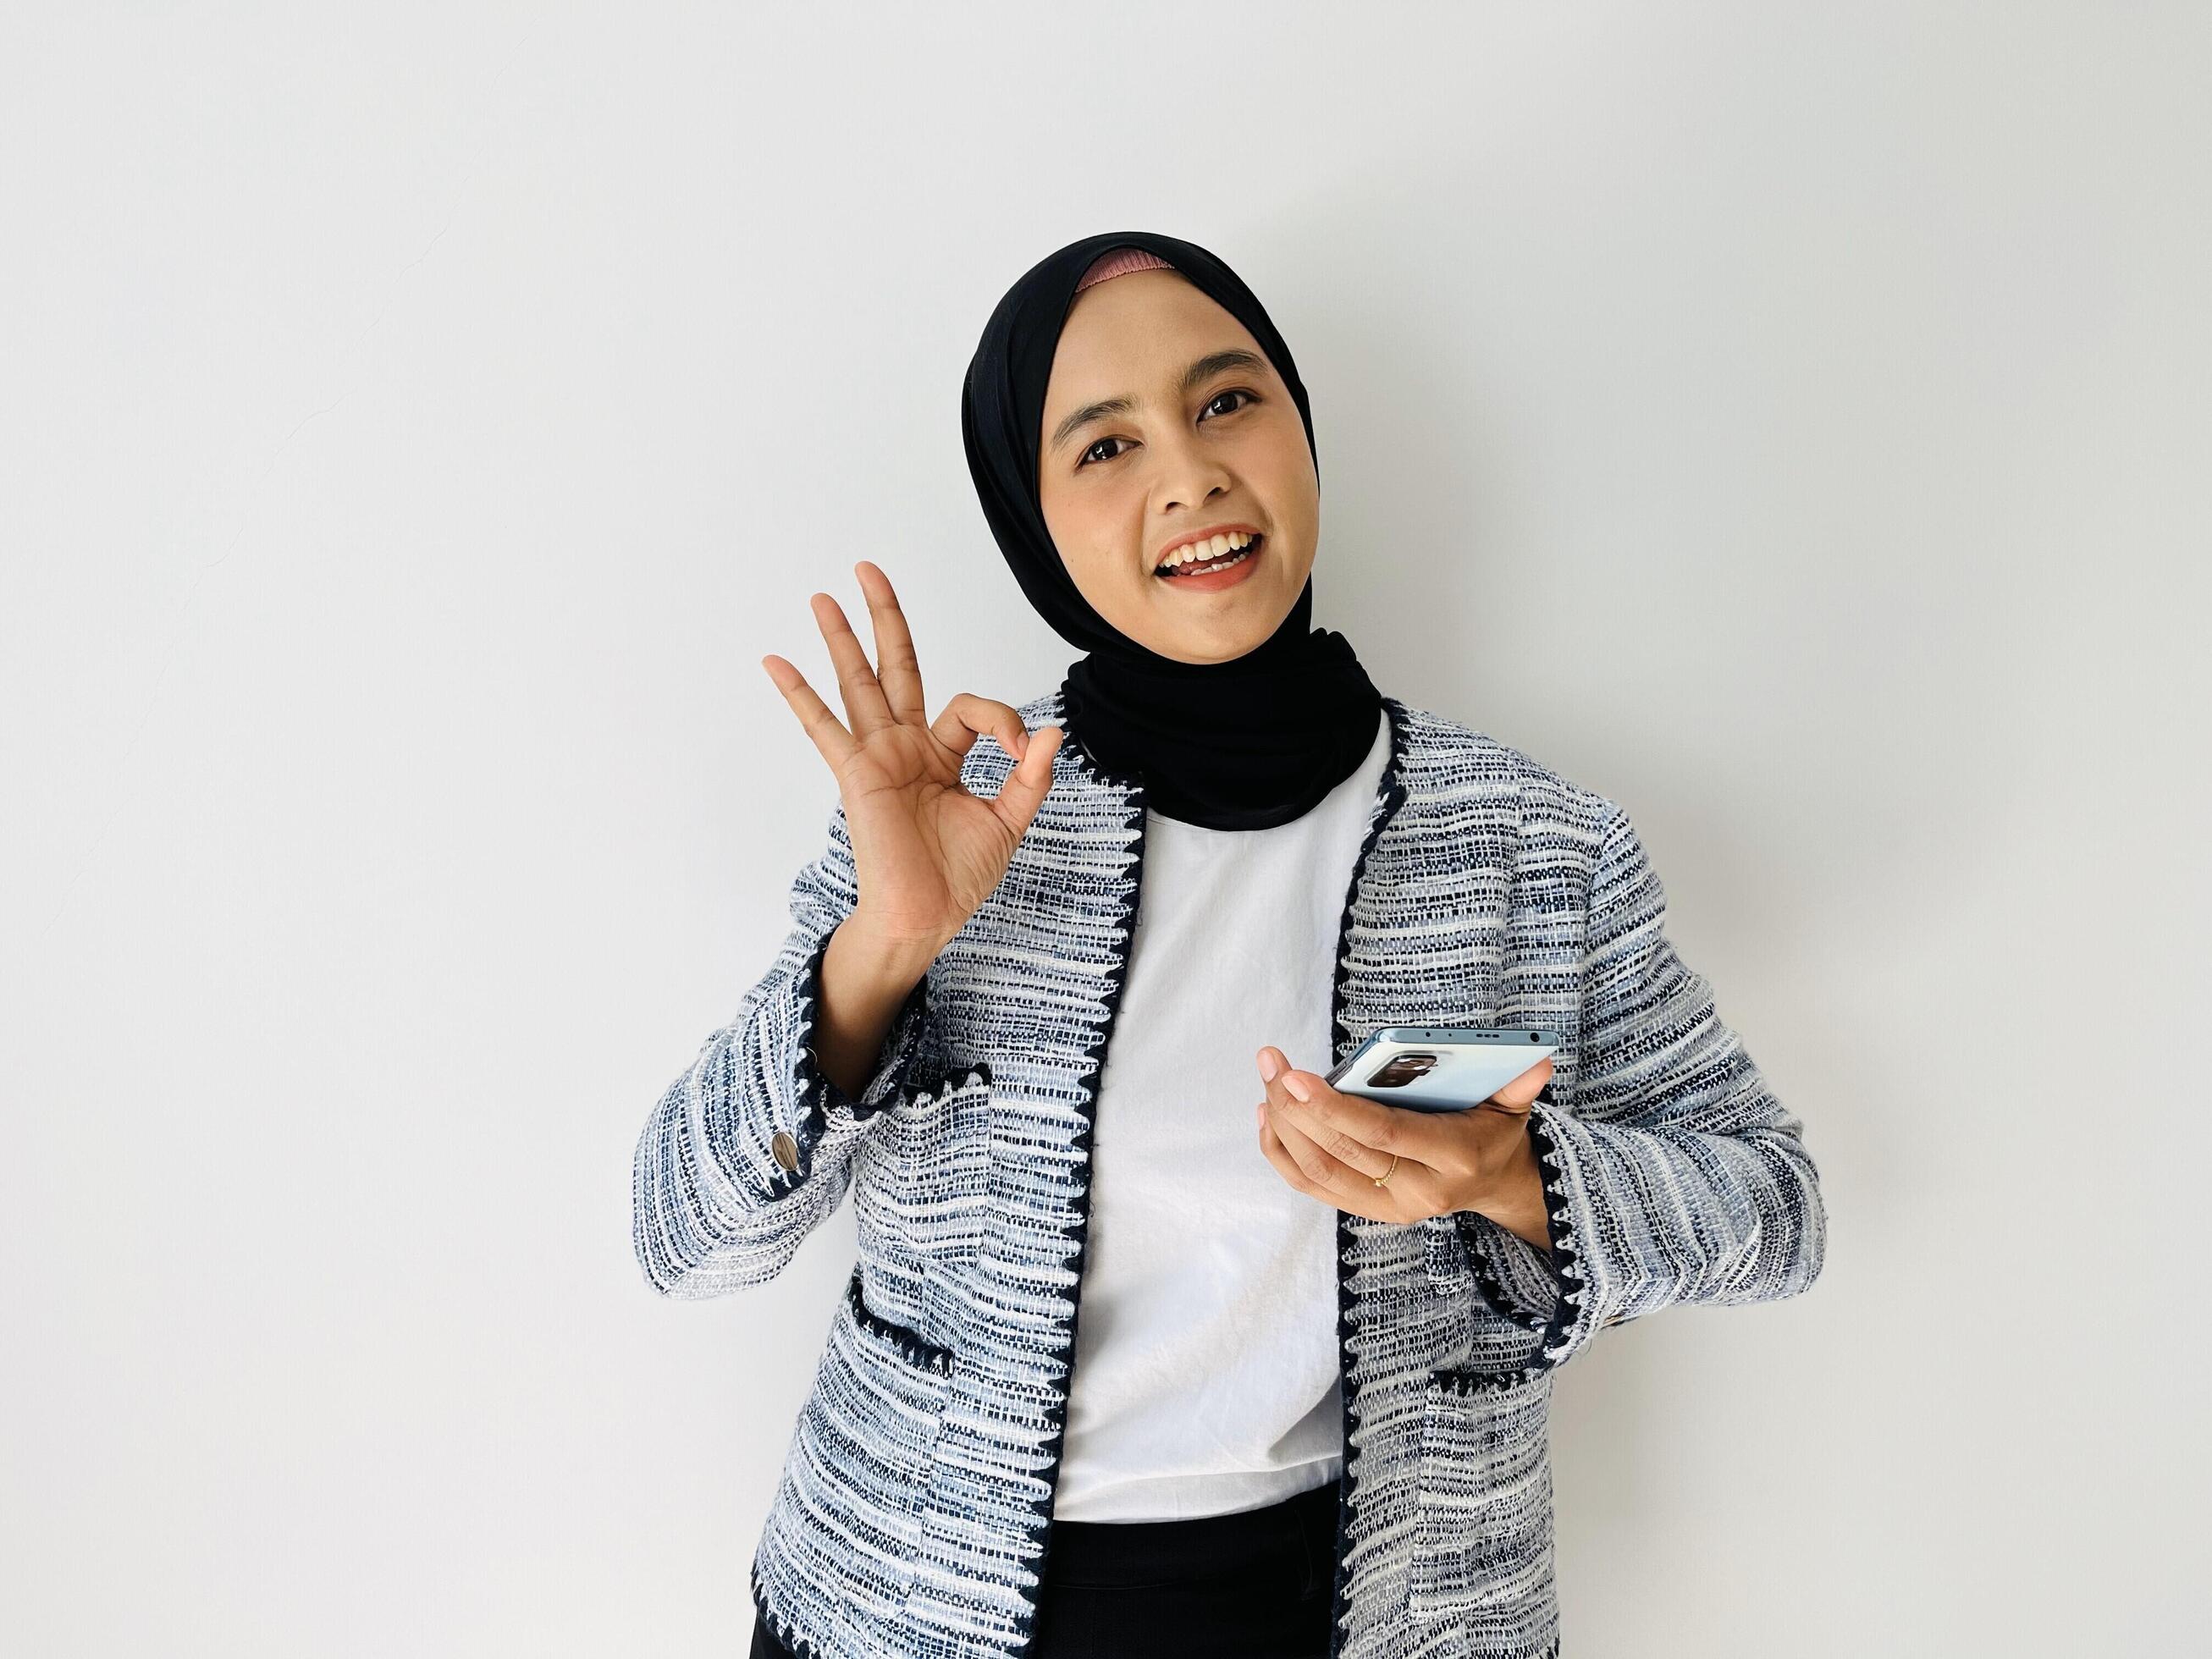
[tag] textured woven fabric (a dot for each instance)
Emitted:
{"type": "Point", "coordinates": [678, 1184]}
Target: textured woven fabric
{"type": "Point", "coordinates": [913, 1512]}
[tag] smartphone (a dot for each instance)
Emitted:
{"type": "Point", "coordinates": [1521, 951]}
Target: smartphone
{"type": "Point", "coordinates": [1441, 1068]}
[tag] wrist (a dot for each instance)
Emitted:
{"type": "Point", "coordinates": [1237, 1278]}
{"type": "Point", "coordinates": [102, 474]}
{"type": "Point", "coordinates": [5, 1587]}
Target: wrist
{"type": "Point", "coordinates": [892, 966]}
{"type": "Point", "coordinates": [1514, 1197]}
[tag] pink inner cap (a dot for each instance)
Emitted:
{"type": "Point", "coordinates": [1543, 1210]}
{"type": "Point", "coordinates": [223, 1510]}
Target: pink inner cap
{"type": "Point", "coordinates": [1120, 263]}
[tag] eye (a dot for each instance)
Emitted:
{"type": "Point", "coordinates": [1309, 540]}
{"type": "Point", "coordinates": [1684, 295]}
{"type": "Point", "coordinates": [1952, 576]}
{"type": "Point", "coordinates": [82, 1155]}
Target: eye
{"type": "Point", "coordinates": [1225, 391]}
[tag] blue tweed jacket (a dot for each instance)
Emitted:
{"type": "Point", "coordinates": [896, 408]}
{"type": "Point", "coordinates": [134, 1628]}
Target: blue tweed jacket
{"type": "Point", "coordinates": [914, 1513]}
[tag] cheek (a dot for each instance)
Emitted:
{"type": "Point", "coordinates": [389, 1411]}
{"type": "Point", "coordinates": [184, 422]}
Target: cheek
{"type": "Point", "coordinates": [1104, 527]}
{"type": "Point", "coordinates": [1281, 465]}
{"type": "Point", "coordinates": [1071, 517]}
{"type": "Point", "coordinates": [1299, 481]}
{"type": "Point", "coordinates": [1100, 540]}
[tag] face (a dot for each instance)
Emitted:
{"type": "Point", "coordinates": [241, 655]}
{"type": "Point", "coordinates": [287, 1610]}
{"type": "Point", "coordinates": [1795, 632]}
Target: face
{"type": "Point", "coordinates": [1162, 418]}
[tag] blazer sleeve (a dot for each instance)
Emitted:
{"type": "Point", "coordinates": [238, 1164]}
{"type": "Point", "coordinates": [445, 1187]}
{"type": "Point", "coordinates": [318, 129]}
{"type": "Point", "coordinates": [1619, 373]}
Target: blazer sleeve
{"type": "Point", "coordinates": [712, 1210]}
{"type": "Point", "coordinates": [1676, 1176]}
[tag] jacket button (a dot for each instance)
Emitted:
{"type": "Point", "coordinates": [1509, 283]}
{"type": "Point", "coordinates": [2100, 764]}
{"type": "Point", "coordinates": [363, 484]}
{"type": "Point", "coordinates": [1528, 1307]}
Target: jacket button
{"type": "Point", "coordinates": [785, 1149]}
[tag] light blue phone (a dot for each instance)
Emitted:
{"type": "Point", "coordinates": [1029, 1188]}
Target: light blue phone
{"type": "Point", "coordinates": [1441, 1068]}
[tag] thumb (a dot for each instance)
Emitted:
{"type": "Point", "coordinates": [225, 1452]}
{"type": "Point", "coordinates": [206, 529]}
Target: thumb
{"type": "Point", "coordinates": [1027, 785]}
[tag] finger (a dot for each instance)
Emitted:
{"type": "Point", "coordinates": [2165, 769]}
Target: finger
{"type": "Point", "coordinates": [1022, 790]}
{"type": "Point", "coordinates": [897, 669]}
{"type": "Point", "coordinates": [1315, 1167]}
{"type": "Point", "coordinates": [1357, 1130]}
{"type": "Point", "coordinates": [1406, 1195]}
{"type": "Point", "coordinates": [967, 717]}
{"type": "Point", "coordinates": [1409, 1192]}
{"type": "Point", "coordinates": [1516, 1096]}
{"type": "Point", "coordinates": [1331, 1150]}
{"type": "Point", "coordinates": [831, 737]}
{"type": "Point", "coordinates": [864, 705]}
{"type": "Point", "coordinates": [1277, 1154]}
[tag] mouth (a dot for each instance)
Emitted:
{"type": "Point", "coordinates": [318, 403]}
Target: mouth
{"type": "Point", "coordinates": [1228, 560]}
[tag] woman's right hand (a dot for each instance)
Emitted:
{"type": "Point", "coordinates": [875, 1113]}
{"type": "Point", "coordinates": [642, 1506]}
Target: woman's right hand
{"type": "Point", "coordinates": [927, 852]}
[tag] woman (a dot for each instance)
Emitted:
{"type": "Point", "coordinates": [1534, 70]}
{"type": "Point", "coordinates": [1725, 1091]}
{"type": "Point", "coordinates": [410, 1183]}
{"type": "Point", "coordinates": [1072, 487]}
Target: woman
{"type": "Point", "coordinates": [1304, 1413]}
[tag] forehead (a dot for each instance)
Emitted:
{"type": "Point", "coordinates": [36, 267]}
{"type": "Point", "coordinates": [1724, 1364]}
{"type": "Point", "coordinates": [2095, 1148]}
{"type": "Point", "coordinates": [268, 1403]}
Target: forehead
{"type": "Point", "coordinates": [1133, 334]}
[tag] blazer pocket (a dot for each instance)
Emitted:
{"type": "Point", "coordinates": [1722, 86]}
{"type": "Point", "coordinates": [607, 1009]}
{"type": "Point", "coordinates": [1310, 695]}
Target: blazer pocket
{"type": "Point", "coordinates": [1483, 1527]}
{"type": "Point", "coordinates": [924, 1197]}
{"type": "Point", "coordinates": [850, 1510]}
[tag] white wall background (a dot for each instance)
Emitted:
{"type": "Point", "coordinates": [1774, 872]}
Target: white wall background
{"type": "Point", "coordinates": [418, 422]}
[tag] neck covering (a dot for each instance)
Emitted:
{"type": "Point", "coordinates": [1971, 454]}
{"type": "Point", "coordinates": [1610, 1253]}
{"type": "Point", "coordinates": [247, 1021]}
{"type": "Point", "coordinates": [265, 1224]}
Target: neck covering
{"type": "Point", "coordinates": [1243, 744]}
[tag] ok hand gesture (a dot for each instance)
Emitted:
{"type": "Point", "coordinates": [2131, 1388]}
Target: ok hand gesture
{"type": "Point", "coordinates": [927, 852]}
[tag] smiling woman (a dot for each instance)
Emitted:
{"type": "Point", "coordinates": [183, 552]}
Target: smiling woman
{"type": "Point", "coordinates": [1304, 1411]}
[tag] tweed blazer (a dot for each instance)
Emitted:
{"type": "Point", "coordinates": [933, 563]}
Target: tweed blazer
{"type": "Point", "coordinates": [914, 1514]}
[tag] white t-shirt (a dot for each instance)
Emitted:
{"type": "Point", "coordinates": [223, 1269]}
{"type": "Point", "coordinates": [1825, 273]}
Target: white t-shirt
{"type": "Point", "coordinates": [1205, 1374]}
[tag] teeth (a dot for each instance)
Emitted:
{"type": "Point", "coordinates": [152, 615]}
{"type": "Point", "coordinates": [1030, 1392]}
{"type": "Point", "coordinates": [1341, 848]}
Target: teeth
{"type": "Point", "coordinates": [1229, 563]}
{"type": "Point", "coordinates": [1212, 548]}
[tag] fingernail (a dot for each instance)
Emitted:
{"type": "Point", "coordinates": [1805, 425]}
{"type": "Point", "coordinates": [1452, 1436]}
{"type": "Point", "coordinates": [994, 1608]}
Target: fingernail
{"type": "Point", "coordinates": [1259, 1115]}
{"type": "Point", "coordinates": [1297, 1088]}
{"type": "Point", "coordinates": [1267, 1066]}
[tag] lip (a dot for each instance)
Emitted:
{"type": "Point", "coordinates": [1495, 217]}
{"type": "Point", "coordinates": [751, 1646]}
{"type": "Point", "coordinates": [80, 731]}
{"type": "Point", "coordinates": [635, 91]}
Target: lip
{"type": "Point", "coordinates": [1217, 582]}
{"type": "Point", "coordinates": [1205, 534]}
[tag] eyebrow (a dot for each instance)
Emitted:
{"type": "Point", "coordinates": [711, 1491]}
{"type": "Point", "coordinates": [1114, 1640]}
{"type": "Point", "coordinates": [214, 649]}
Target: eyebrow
{"type": "Point", "coordinates": [1204, 369]}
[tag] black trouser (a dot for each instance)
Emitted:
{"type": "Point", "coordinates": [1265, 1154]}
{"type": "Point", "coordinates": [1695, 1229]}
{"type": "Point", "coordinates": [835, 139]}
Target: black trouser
{"type": "Point", "coordinates": [1255, 1584]}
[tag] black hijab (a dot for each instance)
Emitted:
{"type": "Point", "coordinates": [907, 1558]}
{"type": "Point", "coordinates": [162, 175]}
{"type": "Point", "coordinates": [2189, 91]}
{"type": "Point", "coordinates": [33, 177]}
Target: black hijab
{"type": "Point", "coordinates": [1243, 745]}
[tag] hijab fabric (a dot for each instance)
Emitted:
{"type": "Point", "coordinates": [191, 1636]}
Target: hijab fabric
{"type": "Point", "coordinates": [1243, 745]}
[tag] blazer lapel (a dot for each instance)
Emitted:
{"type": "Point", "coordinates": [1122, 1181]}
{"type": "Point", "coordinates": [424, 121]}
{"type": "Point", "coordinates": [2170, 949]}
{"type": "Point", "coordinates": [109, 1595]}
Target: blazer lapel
{"type": "Point", "coordinates": [1043, 971]}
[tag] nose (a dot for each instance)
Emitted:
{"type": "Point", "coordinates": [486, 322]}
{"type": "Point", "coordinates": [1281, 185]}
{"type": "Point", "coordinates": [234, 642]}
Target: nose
{"type": "Point", "coordinates": [1190, 473]}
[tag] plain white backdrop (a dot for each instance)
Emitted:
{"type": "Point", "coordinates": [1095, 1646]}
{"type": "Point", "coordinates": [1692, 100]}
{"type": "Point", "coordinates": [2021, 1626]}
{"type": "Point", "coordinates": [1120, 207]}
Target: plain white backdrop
{"type": "Point", "coordinates": [1791, 422]}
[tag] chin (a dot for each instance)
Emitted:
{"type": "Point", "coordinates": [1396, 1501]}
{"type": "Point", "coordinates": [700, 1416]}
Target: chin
{"type": "Point", "coordinates": [1235, 636]}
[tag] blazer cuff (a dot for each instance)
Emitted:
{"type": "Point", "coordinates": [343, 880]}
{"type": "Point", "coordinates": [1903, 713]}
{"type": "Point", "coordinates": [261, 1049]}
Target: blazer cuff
{"type": "Point", "coordinates": [1518, 1280]}
{"type": "Point", "coordinates": [1549, 1298]}
{"type": "Point", "coordinates": [813, 1105]}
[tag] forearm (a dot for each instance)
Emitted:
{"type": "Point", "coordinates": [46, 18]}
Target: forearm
{"type": "Point", "coordinates": [753, 1145]}
{"type": "Point", "coordinates": [1671, 1173]}
{"type": "Point", "coordinates": [863, 988]}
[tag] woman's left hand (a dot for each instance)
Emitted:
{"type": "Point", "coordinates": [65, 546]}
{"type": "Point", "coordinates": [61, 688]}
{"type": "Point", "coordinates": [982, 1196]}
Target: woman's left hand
{"type": "Point", "coordinates": [1331, 1145]}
